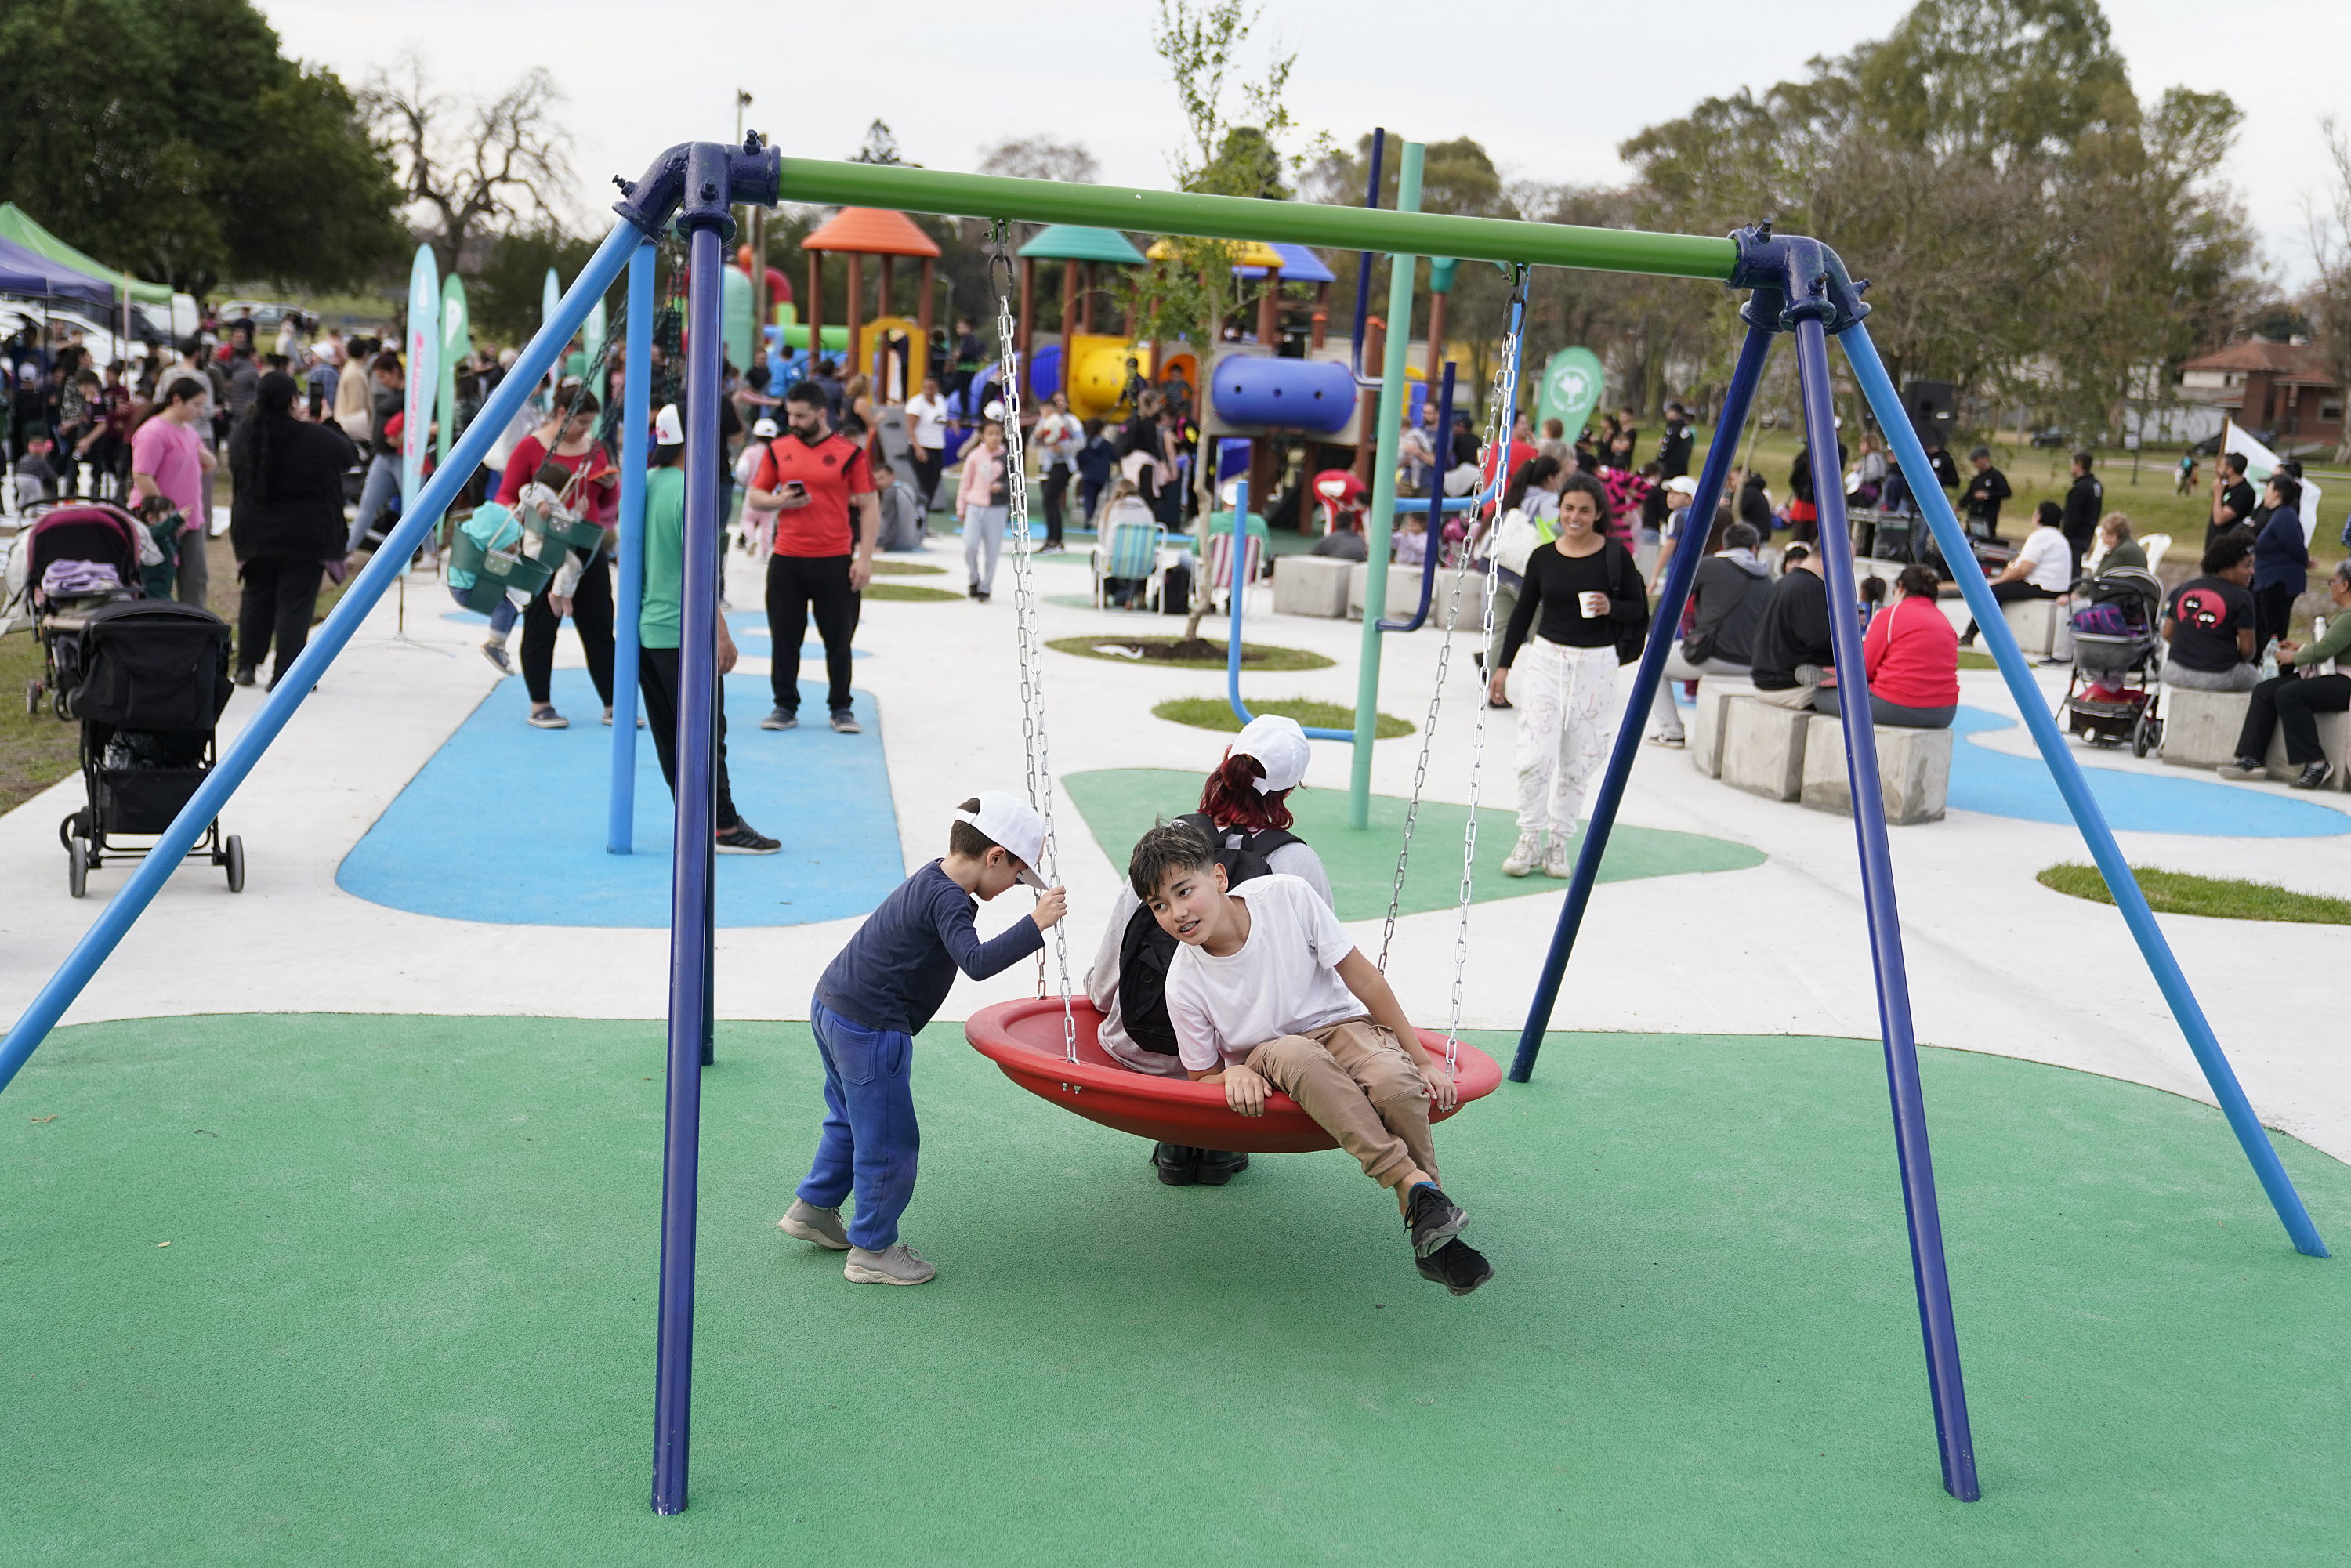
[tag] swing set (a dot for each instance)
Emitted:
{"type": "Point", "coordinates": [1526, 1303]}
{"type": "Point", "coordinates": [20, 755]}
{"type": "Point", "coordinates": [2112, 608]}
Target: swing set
{"type": "Point", "coordinates": [1795, 286]}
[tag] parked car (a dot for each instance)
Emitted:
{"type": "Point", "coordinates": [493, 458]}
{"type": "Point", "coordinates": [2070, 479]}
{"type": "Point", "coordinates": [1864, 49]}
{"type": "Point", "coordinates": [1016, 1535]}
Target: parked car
{"type": "Point", "coordinates": [2051, 438]}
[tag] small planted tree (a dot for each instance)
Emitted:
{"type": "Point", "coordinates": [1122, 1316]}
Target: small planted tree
{"type": "Point", "coordinates": [1191, 291]}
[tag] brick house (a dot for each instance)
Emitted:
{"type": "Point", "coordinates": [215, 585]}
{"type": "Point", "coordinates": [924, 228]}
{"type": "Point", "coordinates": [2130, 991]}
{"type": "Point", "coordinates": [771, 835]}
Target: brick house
{"type": "Point", "coordinates": [2282, 388]}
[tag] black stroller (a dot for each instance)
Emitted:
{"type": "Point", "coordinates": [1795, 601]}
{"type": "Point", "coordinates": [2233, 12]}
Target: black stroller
{"type": "Point", "coordinates": [2115, 692]}
{"type": "Point", "coordinates": [154, 679]}
{"type": "Point", "coordinates": [100, 546]}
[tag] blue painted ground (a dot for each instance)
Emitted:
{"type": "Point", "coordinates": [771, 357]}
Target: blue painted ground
{"type": "Point", "coordinates": [1992, 781]}
{"type": "Point", "coordinates": [742, 624]}
{"type": "Point", "coordinates": [506, 824]}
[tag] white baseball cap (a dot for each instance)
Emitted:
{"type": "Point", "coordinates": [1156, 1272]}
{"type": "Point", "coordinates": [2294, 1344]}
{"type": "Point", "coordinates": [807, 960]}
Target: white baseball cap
{"type": "Point", "coordinates": [1014, 824]}
{"type": "Point", "coordinates": [668, 429]}
{"type": "Point", "coordinates": [1681, 484]}
{"type": "Point", "coordinates": [765, 427]}
{"type": "Point", "coordinates": [1279, 746]}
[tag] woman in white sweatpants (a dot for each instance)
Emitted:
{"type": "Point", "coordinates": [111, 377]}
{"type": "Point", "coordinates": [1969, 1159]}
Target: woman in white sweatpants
{"type": "Point", "coordinates": [1565, 693]}
{"type": "Point", "coordinates": [983, 502]}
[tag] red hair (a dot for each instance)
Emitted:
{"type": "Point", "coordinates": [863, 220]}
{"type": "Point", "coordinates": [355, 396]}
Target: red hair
{"type": "Point", "coordinates": [1231, 798]}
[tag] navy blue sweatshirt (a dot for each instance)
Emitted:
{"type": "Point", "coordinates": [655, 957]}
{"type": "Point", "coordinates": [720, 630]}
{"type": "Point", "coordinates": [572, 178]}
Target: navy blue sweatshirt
{"type": "Point", "coordinates": [902, 962]}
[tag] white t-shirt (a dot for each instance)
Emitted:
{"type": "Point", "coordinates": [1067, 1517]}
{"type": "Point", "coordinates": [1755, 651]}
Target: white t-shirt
{"type": "Point", "coordinates": [930, 418]}
{"type": "Point", "coordinates": [1284, 980]}
{"type": "Point", "coordinates": [2052, 558]}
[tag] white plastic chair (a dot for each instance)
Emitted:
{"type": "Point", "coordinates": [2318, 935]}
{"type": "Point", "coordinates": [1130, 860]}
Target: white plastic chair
{"type": "Point", "coordinates": [2155, 545]}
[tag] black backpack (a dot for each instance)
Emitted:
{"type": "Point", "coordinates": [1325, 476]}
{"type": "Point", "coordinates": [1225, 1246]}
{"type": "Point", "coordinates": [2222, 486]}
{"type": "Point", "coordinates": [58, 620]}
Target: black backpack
{"type": "Point", "coordinates": [1145, 951]}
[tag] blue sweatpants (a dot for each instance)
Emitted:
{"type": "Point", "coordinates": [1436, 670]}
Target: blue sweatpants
{"type": "Point", "coordinates": [870, 1142]}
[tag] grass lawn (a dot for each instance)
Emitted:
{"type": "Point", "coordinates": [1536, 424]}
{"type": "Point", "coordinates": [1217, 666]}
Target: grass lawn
{"type": "Point", "coordinates": [907, 568]}
{"type": "Point", "coordinates": [2222, 898]}
{"type": "Point", "coordinates": [1215, 713]}
{"type": "Point", "coordinates": [906, 590]}
{"type": "Point", "coordinates": [1254, 656]}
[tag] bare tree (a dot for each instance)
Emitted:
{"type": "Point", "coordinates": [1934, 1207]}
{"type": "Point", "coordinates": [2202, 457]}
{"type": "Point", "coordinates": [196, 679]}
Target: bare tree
{"type": "Point", "coordinates": [470, 164]}
{"type": "Point", "coordinates": [1041, 158]}
{"type": "Point", "coordinates": [2329, 300]}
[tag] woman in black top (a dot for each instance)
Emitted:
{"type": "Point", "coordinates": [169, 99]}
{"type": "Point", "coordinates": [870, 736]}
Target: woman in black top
{"type": "Point", "coordinates": [1581, 591]}
{"type": "Point", "coordinates": [287, 522]}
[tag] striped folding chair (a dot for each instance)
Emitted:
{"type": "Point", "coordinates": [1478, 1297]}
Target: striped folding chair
{"type": "Point", "coordinates": [1129, 551]}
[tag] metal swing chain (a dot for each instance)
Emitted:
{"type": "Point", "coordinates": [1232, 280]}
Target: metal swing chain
{"type": "Point", "coordinates": [1508, 400]}
{"type": "Point", "coordinates": [1504, 400]}
{"type": "Point", "coordinates": [1032, 671]}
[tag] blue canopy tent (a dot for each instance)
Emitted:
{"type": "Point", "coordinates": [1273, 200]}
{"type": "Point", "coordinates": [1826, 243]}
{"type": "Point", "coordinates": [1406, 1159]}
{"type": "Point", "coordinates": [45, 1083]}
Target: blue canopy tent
{"type": "Point", "coordinates": [28, 273]}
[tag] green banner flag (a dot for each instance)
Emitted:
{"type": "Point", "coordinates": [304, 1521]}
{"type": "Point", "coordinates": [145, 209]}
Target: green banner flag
{"type": "Point", "coordinates": [456, 342]}
{"type": "Point", "coordinates": [1573, 380]}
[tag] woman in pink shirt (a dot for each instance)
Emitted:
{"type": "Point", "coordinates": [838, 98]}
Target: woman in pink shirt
{"type": "Point", "coordinates": [1911, 654]}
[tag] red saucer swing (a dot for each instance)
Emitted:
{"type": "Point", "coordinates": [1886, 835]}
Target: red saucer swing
{"type": "Point", "coordinates": [1025, 1038]}
{"type": "Point", "coordinates": [1047, 1044]}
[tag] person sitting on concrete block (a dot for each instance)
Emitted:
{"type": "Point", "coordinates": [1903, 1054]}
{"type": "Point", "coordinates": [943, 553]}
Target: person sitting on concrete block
{"type": "Point", "coordinates": [1793, 656]}
{"type": "Point", "coordinates": [2043, 569]}
{"type": "Point", "coordinates": [1912, 658]}
{"type": "Point", "coordinates": [1726, 604]}
{"type": "Point", "coordinates": [2293, 696]}
{"type": "Point", "coordinates": [2210, 622]}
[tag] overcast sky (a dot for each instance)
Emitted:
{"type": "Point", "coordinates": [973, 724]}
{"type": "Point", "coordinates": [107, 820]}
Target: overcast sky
{"type": "Point", "coordinates": [1550, 100]}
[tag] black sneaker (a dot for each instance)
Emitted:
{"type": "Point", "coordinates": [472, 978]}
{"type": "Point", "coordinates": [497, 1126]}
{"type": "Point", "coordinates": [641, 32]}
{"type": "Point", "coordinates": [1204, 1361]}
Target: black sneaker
{"type": "Point", "coordinates": [243, 676]}
{"type": "Point", "coordinates": [2244, 769]}
{"type": "Point", "coordinates": [1178, 1165]}
{"type": "Point", "coordinates": [1217, 1168]}
{"type": "Point", "coordinates": [1457, 1266]}
{"type": "Point", "coordinates": [2313, 775]}
{"type": "Point", "coordinates": [743, 839]}
{"type": "Point", "coordinates": [1433, 1218]}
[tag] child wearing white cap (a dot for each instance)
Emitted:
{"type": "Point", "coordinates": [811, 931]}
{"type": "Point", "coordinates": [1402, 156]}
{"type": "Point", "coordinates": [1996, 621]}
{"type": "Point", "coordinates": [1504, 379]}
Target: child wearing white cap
{"type": "Point", "coordinates": [1244, 809]}
{"type": "Point", "coordinates": [877, 994]}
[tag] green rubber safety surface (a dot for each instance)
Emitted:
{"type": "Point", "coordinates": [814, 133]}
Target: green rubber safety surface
{"type": "Point", "coordinates": [407, 1316]}
{"type": "Point", "coordinates": [1119, 804]}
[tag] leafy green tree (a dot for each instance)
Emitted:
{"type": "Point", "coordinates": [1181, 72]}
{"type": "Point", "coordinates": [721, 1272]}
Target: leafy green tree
{"type": "Point", "coordinates": [172, 139]}
{"type": "Point", "coordinates": [505, 296]}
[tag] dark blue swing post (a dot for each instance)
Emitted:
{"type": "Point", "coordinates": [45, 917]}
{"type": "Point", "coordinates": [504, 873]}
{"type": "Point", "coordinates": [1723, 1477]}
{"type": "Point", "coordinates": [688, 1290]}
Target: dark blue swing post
{"type": "Point", "coordinates": [708, 178]}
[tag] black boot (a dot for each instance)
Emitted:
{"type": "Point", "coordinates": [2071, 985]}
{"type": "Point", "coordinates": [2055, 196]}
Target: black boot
{"type": "Point", "coordinates": [1178, 1165]}
{"type": "Point", "coordinates": [1218, 1167]}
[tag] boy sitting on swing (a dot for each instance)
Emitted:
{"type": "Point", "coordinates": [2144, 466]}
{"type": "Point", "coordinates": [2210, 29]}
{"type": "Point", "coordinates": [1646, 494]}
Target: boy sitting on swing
{"type": "Point", "coordinates": [1266, 992]}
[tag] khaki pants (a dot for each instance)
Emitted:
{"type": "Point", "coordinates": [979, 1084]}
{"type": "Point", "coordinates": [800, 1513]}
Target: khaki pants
{"type": "Point", "coordinates": [1357, 1082]}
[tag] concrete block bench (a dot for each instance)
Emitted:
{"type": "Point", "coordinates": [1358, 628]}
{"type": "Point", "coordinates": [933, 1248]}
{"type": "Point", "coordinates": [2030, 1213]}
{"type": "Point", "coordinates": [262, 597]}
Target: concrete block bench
{"type": "Point", "coordinates": [1403, 591]}
{"type": "Point", "coordinates": [1914, 770]}
{"type": "Point", "coordinates": [1310, 585]}
{"type": "Point", "coordinates": [2334, 738]}
{"type": "Point", "coordinates": [1704, 726]}
{"type": "Point", "coordinates": [2034, 621]}
{"type": "Point", "coordinates": [2200, 728]}
{"type": "Point", "coordinates": [1763, 747]}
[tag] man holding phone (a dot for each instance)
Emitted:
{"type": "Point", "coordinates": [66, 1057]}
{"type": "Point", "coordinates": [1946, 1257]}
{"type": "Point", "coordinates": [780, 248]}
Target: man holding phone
{"type": "Point", "coordinates": [828, 521]}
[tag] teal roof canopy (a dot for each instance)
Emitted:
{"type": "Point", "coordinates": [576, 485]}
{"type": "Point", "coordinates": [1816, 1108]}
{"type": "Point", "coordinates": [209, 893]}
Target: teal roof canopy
{"type": "Point", "coordinates": [1074, 242]}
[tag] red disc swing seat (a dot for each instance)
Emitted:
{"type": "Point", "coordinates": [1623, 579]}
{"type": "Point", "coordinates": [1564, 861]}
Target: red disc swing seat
{"type": "Point", "coordinates": [1024, 1038]}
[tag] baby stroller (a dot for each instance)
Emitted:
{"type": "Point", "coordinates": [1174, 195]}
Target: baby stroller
{"type": "Point", "coordinates": [75, 559]}
{"type": "Point", "coordinates": [2113, 694]}
{"type": "Point", "coordinates": [154, 679]}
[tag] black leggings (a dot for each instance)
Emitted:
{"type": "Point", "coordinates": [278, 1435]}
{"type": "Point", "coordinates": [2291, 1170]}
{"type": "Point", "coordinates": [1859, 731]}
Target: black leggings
{"type": "Point", "coordinates": [2272, 613]}
{"type": "Point", "coordinates": [591, 617]}
{"type": "Point", "coordinates": [797, 586]}
{"type": "Point", "coordinates": [2288, 702]}
{"type": "Point", "coordinates": [657, 679]}
{"type": "Point", "coordinates": [928, 462]}
{"type": "Point", "coordinates": [1057, 487]}
{"type": "Point", "coordinates": [279, 596]}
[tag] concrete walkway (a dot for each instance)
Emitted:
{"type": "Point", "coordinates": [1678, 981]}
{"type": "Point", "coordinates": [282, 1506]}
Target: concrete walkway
{"type": "Point", "coordinates": [1998, 964]}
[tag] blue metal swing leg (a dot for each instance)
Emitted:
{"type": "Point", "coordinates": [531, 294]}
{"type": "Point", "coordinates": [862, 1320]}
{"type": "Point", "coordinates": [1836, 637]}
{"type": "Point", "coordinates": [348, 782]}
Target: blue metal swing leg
{"type": "Point", "coordinates": [1877, 388]}
{"type": "Point", "coordinates": [1946, 1388]}
{"type": "Point", "coordinates": [636, 398]}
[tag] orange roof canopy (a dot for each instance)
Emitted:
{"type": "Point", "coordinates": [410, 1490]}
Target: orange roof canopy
{"type": "Point", "coordinates": [870, 231]}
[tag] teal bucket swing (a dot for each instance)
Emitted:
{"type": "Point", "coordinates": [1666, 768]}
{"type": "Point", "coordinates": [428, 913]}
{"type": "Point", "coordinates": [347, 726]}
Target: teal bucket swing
{"type": "Point", "coordinates": [495, 572]}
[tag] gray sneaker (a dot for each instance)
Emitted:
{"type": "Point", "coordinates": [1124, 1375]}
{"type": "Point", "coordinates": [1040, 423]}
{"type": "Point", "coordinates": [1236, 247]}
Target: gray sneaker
{"type": "Point", "coordinates": [810, 1223]}
{"type": "Point", "coordinates": [896, 1264]}
{"type": "Point", "coordinates": [845, 723]}
{"type": "Point", "coordinates": [779, 719]}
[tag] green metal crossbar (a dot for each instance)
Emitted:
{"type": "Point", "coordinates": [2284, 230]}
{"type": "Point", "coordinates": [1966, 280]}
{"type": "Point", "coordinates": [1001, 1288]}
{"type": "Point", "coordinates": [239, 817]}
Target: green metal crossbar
{"type": "Point", "coordinates": [1249, 218]}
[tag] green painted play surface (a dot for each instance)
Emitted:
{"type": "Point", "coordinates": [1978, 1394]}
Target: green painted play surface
{"type": "Point", "coordinates": [1121, 803]}
{"type": "Point", "coordinates": [406, 1317]}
